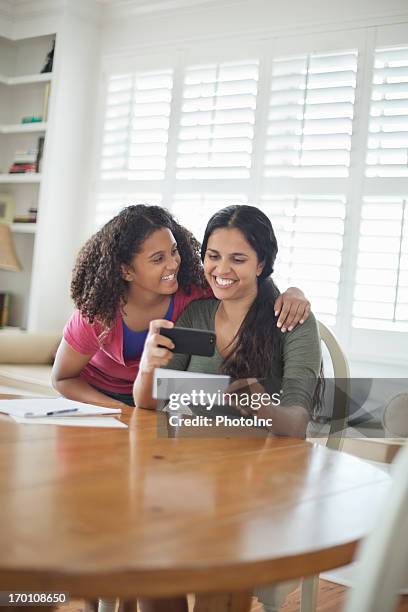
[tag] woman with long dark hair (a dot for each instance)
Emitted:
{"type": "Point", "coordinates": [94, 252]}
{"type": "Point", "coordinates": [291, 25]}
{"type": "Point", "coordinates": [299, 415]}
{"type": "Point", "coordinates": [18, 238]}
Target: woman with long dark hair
{"type": "Point", "coordinates": [141, 265]}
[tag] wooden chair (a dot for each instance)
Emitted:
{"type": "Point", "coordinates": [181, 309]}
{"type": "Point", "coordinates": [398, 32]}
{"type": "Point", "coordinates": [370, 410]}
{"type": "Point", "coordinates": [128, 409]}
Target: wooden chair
{"type": "Point", "coordinates": [341, 373]}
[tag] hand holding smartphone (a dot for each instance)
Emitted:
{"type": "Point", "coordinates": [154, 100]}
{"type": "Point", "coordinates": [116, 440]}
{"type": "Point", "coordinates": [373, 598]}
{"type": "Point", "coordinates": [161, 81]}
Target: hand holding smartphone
{"type": "Point", "coordinates": [191, 341]}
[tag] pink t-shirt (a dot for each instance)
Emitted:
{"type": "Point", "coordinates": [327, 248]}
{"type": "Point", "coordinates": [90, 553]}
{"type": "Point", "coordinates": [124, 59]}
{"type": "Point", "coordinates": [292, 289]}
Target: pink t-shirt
{"type": "Point", "coordinates": [107, 369]}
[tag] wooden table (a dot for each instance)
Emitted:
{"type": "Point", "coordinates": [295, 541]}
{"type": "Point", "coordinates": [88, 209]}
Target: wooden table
{"type": "Point", "coordinates": [120, 512]}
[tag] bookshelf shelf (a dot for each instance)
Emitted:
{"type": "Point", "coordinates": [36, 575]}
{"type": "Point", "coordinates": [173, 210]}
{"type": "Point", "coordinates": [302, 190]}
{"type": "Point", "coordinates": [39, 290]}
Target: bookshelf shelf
{"type": "Point", "coordinates": [23, 128]}
{"type": "Point", "coordinates": [24, 228]}
{"type": "Point", "coordinates": [28, 177]}
{"type": "Point", "coordinates": [26, 79]}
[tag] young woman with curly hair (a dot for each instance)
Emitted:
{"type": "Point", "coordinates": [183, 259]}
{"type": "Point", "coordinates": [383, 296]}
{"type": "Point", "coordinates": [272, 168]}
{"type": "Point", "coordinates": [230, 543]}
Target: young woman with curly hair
{"type": "Point", "coordinates": [141, 265]}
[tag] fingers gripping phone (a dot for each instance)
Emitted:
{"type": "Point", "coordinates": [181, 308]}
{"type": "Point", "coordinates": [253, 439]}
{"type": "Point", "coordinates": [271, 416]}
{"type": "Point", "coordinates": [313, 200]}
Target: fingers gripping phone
{"type": "Point", "coordinates": [191, 341]}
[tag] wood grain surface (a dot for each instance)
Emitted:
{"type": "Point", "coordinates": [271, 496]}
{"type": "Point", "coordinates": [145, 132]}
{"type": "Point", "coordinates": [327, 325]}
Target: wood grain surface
{"type": "Point", "coordinates": [123, 512]}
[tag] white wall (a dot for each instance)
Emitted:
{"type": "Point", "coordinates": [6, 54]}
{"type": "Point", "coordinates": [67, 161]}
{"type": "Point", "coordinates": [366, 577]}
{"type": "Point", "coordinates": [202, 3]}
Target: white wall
{"type": "Point", "coordinates": [6, 17]}
{"type": "Point", "coordinates": [126, 29]}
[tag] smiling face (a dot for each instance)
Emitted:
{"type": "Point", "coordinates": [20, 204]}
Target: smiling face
{"type": "Point", "coordinates": [231, 265]}
{"type": "Point", "coordinates": [154, 269]}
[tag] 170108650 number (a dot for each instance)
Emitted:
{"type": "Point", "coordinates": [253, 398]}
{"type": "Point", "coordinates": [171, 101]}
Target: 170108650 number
{"type": "Point", "coordinates": [8, 598]}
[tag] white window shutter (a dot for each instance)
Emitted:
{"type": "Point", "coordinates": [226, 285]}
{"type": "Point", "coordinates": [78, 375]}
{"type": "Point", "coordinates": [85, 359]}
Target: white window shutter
{"type": "Point", "coordinates": [194, 210]}
{"type": "Point", "coordinates": [310, 232]}
{"type": "Point", "coordinates": [217, 121]}
{"type": "Point", "coordinates": [381, 289]}
{"type": "Point", "coordinates": [311, 115]}
{"type": "Point", "coordinates": [136, 126]}
{"type": "Point", "coordinates": [387, 154]}
{"type": "Point", "coordinates": [110, 204]}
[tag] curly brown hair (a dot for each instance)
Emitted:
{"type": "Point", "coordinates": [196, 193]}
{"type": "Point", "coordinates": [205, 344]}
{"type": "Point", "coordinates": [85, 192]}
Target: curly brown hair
{"type": "Point", "coordinates": [97, 286]}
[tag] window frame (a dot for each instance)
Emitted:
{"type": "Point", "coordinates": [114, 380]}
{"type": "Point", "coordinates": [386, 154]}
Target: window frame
{"type": "Point", "coordinates": [354, 187]}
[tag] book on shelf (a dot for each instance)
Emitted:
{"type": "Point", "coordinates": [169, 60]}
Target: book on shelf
{"type": "Point", "coordinates": [40, 151]}
{"type": "Point", "coordinates": [24, 161]}
{"type": "Point", "coordinates": [31, 217]}
{"type": "Point", "coordinates": [28, 156]}
{"type": "Point", "coordinates": [4, 308]}
{"type": "Point", "coordinates": [21, 168]}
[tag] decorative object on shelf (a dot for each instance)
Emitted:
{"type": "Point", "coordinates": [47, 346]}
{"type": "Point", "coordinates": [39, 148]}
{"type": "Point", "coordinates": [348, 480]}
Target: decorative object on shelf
{"type": "Point", "coordinates": [30, 218]}
{"type": "Point", "coordinates": [7, 206]}
{"type": "Point", "coordinates": [32, 119]}
{"type": "Point", "coordinates": [5, 299]}
{"type": "Point", "coordinates": [49, 59]}
{"type": "Point", "coordinates": [24, 161]}
{"type": "Point", "coordinates": [8, 256]}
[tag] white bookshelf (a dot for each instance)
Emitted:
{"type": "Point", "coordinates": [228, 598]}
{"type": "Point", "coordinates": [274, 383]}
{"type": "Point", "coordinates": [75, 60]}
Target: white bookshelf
{"type": "Point", "coordinates": [27, 178]}
{"type": "Point", "coordinates": [23, 93]}
{"type": "Point", "coordinates": [60, 191]}
{"type": "Point", "coordinates": [24, 128]}
{"type": "Point", "coordinates": [26, 79]}
{"type": "Point", "coordinates": [24, 228]}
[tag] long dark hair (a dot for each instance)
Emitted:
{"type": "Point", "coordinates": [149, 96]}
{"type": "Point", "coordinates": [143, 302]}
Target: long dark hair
{"type": "Point", "coordinates": [97, 286]}
{"type": "Point", "coordinates": [257, 347]}
{"type": "Point", "coordinates": [256, 351]}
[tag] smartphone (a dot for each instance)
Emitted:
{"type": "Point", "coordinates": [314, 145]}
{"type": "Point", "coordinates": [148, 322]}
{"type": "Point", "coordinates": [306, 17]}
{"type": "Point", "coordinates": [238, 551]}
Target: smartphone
{"type": "Point", "coordinates": [191, 341]}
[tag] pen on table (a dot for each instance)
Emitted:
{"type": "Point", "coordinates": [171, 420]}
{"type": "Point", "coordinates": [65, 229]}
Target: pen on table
{"type": "Point", "coordinates": [51, 413]}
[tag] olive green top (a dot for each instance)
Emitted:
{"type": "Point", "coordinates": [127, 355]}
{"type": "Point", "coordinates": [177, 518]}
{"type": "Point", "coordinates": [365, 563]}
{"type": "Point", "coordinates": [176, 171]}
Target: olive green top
{"type": "Point", "coordinates": [300, 357]}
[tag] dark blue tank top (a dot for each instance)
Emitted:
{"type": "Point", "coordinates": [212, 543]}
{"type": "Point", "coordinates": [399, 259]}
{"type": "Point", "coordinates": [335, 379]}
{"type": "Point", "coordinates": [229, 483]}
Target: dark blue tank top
{"type": "Point", "coordinates": [133, 342]}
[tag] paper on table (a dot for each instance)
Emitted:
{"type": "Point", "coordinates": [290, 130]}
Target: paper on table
{"type": "Point", "coordinates": [72, 421]}
{"type": "Point", "coordinates": [167, 382]}
{"type": "Point", "coordinates": [44, 406]}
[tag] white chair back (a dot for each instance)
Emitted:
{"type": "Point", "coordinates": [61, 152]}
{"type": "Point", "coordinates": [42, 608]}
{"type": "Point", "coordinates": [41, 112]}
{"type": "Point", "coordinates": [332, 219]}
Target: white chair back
{"type": "Point", "coordinates": [383, 556]}
{"type": "Point", "coordinates": [341, 373]}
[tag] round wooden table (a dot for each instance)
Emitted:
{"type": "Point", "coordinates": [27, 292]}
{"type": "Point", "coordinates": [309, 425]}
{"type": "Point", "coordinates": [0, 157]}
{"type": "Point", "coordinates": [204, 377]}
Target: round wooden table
{"type": "Point", "coordinates": [122, 512]}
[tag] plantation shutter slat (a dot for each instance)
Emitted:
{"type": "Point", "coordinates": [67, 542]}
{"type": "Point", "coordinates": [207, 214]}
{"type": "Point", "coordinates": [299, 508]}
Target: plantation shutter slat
{"type": "Point", "coordinates": [311, 104]}
{"type": "Point", "coordinates": [195, 209]}
{"type": "Point", "coordinates": [387, 154]}
{"type": "Point", "coordinates": [381, 289]}
{"type": "Point", "coordinates": [217, 121]}
{"type": "Point", "coordinates": [110, 204]}
{"type": "Point", "coordinates": [136, 126]}
{"type": "Point", "coordinates": [310, 234]}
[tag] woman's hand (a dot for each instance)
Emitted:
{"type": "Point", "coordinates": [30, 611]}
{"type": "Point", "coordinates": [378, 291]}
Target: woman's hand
{"type": "Point", "coordinates": [157, 349]}
{"type": "Point", "coordinates": [289, 421]}
{"type": "Point", "coordinates": [245, 388]}
{"type": "Point", "coordinates": [292, 308]}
